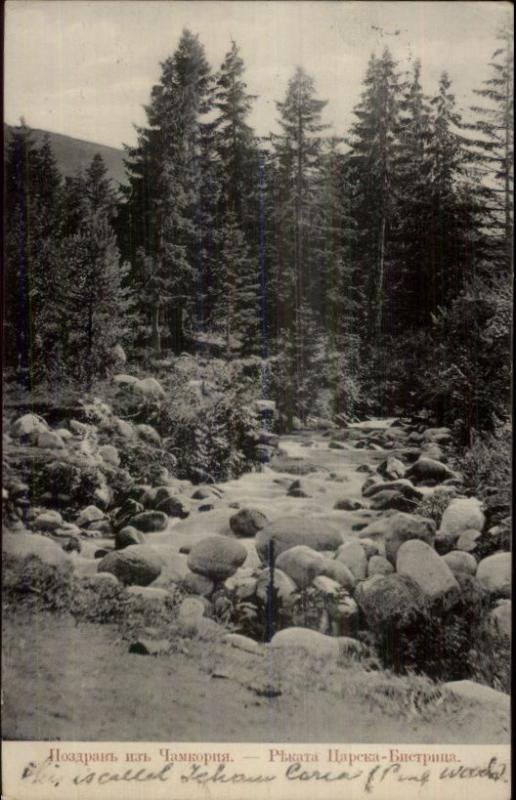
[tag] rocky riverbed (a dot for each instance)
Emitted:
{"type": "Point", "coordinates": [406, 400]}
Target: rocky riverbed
{"type": "Point", "coordinates": [343, 536]}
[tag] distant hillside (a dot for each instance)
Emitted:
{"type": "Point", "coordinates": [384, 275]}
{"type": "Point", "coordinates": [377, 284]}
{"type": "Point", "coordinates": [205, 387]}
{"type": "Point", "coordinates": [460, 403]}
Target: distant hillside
{"type": "Point", "coordinates": [72, 154]}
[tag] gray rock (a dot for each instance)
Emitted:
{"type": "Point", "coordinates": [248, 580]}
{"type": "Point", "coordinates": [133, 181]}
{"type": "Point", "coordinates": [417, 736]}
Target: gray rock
{"type": "Point", "coordinates": [25, 545]}
{"type": "Point", "coordinates": [217, 557]}
{"type": "Point", "coordinates": [389, 602]}
{"type": "Point", "coordinates": [352, 554]}
{"type": "Point", "coordinates": [309, 641]}
{"type": "Point", "coordinates": [48, 521]}
{"type": "Point", "coordinates": [110, 455]}
{"type": "Point", "coordinates": [247, 522]}
{"type": "Point", "coordinates": [392, 468]}
{"type": "Point", "coordinates": [378, 565]}
{"type": "Point", "coordinates": [88, 515]}
{"type": "Point", "coordinates": [50, 440]}
{"type": "Point", "coordinates": [150, 521]}
{"type": "Point", "coordinates": [479, 693]}
{"type": "Point", "coordinates": [459, 561]}
{"type": "Point", "coordinates": [494, 574]}
{"type": "Point", "coordinates": [148, 592]}
{"type": "Point", "coordinates": [28, 426]}
{"type": "Point", "coordinates": [138, 565]}
{"type": "Point", "coordinates": [501, 617]}
{"type": "Point", "coordinates": [292, 531]}
{"type": "Point", "coordinates": [284, 585]}
{"type": "Point", "coordinates": [394, 529]}
{"type": "Point", "coordinates": [173, 506]}
{"type": "Point", "coordinates": [419, 562]}
{"type": "Point", "coordinates": [149, 389]}
{"type": "Point", "coordinates": [193, 583]}
{"type": "Point", "coordinates": [150, 647]}
{"type": "Point", "coordinates": [148, 435]}
{"type": "Point", "coordinates": [346, 504]}
{"type": "Point", "coordinates": [462, 514]}
{"type": "Point", "coordinates": [428, 469]}
{"type": "Point", "coordinates": [128, 536]}
{"type": "Point", "coordinates": [300, 563]}
{"type": "Point", "coordinates": [243, 643]}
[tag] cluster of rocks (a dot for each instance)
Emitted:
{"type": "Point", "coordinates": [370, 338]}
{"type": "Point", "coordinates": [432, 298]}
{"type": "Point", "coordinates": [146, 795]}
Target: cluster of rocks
{"type": "Point", "coordinates": [394, 558]}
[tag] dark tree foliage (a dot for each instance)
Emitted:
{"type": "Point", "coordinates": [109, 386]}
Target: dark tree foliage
{"type": "Point", "coordinates": [371, 264]}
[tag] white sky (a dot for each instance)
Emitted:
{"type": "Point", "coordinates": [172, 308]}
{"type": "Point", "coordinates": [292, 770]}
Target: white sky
{"type": "Point", "coordinates": [86, 68]}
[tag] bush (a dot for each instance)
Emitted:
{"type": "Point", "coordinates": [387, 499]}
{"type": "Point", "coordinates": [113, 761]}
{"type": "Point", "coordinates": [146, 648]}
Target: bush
{"type": "Point", "coordinates": [433, 506]}
{"type": "Point", "coordinates": [487, 463]}
{"type": "Point", "coordinates": [31, 585]}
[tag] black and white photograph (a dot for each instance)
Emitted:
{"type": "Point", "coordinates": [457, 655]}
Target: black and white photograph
{"type": "Point", "coordinates": [257, 433]}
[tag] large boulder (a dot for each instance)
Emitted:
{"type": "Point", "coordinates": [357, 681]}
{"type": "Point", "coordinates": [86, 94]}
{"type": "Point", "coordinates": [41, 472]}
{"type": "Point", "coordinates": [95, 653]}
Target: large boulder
{"type": "Point", "coordinates": [468, 541]}
{"type": "Point", "coordinates": [428, 469]}
{"type": "Point", "coordinates": [173, 506]}
{"type": "Point", "coordinates": [460, 561]}
{"type": "Point", "coordinates": [290, 532]}
{"type": "Point", "coordinates": [284, 585]}
{"type": "Point", "coordinates": [109, 455]}
{"type": "Point", "coordinates": [247, 522]}
{"type": "Point", "coordinates": [25, 545]}
{"type": "Point", "coordinates": [193, 583]}
{"type": "Point", "coordinates": [217, 557]}
{"type": "Point", "coordinates": [307, 640]}
{"type": "Point", "coordinates": [377, 565]}
{"type": "Point", "coordinates": [494, 574]}
{"type": "Point", "coordinates": [88, 515]}
{"type": "Point", "coordinates": [462, 514]}
{"type": "Point", "coordinates": [392, 468]}
{"type": "Point", "coordinates": [353, 555]}
{"type": "Point", "coordinates": [479, 693]}
{"type": "Point", "coordinates": [128, 536]}
{"type": "Point", "coordinates": [149, 435]}
{"type": "Point", "coordinates": [50, 440]}
{"type": "Point", "coordinates": [48, 521]}
{"type": "Point", "coordinates": [28, 427]}
{"type": "Point", "coordinates": [501, 617]}
{"type": "Point", "coordinates": [402, 485]}
{"type": "Point", "coordinates": [390, 602]}
{"type": "Point", "coordinates": [149, 389]}
{"type": "Point", "coordinates": [300, 563]}
{"type": "Point", "coordinates": [397, 528]}
{"type": "Point", "coordinates": [137, 565]}
{"type": "Point", "coordinates": [419, 562]}
{"type": "Point", "coordinates": [150, 521]}
{"type": "Point", "coordinates": [315, 644]}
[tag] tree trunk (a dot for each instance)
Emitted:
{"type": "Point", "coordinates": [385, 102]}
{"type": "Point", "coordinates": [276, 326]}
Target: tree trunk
{"type": "Point", "coordinates": [381, 274]}
{"type": "Point", "coordinates": [176, 329]}
{"type": "Point", "coordinates": [156, 334]}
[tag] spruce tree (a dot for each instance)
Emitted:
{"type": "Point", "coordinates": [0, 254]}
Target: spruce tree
{"type": "Point", "coordinates": [168, 210]}
{"type": "Point", "coordinates": [493, 150]}
{"type": "Point", "coordinates": [298, 168]}
{"type": "Point", "coordinates": [98, 304]}
{"type": "Point", "coordinates": [373, 177]}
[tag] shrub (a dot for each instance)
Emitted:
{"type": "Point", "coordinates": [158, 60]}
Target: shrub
{"type": "Point", "coordinates": [433, 506]}
{"type": "Point", "coordinates": [31, 585]}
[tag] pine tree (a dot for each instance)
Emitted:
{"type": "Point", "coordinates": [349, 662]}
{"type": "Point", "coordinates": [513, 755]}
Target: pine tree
{"type": "Point", "coordinates": [32, 269]}
{"type": "Point", "coordinates": [298, 157]}
{"type": "Point", "coordinates": [238, 301]}
{"type": "Point", "coordinates": [373, 177]}
{"type": "Point", "coordinates": [411, 243]}
{"type": "Point", "coordinates": [494, 149]}
{"type": "Point", "coordinates": [167, 212]}
{"type": "Point", "coordinates": [96, 301]}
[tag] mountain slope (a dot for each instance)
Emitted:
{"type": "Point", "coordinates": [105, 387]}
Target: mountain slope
{"type": "Point", "coordinates": [73, 154]}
